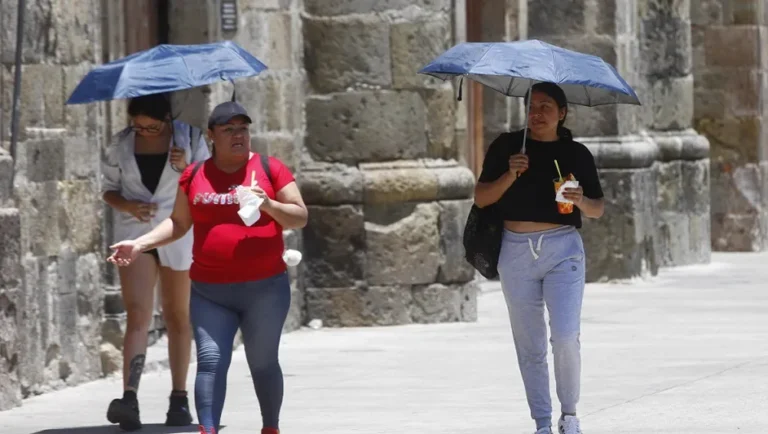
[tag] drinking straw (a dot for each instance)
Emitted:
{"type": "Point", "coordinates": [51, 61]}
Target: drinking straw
{"type": "Point", "coordinates": [253, 177]}
{"type": "Point", "coordinates": [558, 171]}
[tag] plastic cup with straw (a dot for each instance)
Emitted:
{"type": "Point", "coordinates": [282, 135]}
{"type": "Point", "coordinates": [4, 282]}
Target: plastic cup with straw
{"type": "Point", "coordinates": [562, 208]}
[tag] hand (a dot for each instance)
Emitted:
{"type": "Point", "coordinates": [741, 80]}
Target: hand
{"type": "Point", "coordinates": [177, 158]}
{"type": "Point", "coordinates": [575, 195]}
{"type": "Point", "coordinates": [263, 195]}
{"type": "Point", "coordinates": [124, 253]}
{"type": "Point", "coordinates": [518, 164]}
{"type": "Point", "coordinates": [140, 210]}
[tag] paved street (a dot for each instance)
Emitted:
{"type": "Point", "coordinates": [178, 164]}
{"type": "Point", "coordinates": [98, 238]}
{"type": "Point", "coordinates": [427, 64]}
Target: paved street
{"type": "Point", "coordinates": [685, 352]}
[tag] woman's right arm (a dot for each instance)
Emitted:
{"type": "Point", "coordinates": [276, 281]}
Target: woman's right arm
{"type": "Point", "coordinates": [488, 193]}
{"type": "Point", "coordinates": [111, 185]}
{"type": "Point", "coordinates": [170, 229]}
{"type": "Point", "coordinates": [499, 171]}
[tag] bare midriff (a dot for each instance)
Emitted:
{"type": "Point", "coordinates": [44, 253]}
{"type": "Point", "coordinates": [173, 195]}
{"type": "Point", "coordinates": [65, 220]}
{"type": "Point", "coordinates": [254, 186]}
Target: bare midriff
{"type": "Point", "coordinates": [526, 227]}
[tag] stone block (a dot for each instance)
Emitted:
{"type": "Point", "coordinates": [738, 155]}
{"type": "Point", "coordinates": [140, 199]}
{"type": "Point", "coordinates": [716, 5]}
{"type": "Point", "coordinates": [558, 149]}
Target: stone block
{"type": "Point", "coordinates": [732, 46]}
{"type": "Point", "coordinates": [732, 140]}
{"type": "Point", "coordinates": [673, 103]}
{"type": "Point", "coordinates": [42, 96]}
{"type": "Point", "coordinates": [270, 35]}
{"type": "Point", "coordinates": [709, 103]}
{"type": "Point", "coordinates": [335, 185]}
{"type": "Point", "coordinates": [38, 206]}
{"type": "Point", "coordinates": [111, 359]}
{"type": "Point", "coordinates": [11, 308]}
{"type": "Point", "coordinates": [334, 241]}
{"type": "Point", "coordinates": [80, 215]}
{"type": "Point", "coordinates": [347, 54]}
{"type": "Point", "coordinates": [629, 217]}
{"type": "Point", "coordinates": [283, 146]}
{"type": "Point", "coordinates": [439, 303]}
{"type": "Point", "coordinates": [366, 126]}
{"type": "Point", "coordinates": [665, 44]}
{"type": "Point", "coordinates": [84, 120]}
{"type": "Point", "coordinates": [627, 152]}
{"type": "Point", "coordinates": [6, 179]}
{"type": "Point", "coordinates": [415, 43]}
{"type": "Point", "coordinates": [670, 188]}
{"type": "Point", "coordinates": [743, 91]}
{"type": "Point", "coordinates": [441, 117]}
{"type": "Point", "coordinates": [81, 157]}
{"type": "Point", "coordinates": [359, 306]}
{"type": "Point", "coordinates": [10, 248]}
{"type": "Point", "coordinates": [603, 46]}
{"type": "Point", "coordinates": [737, 232]}
{"type": "Point", "coordinates": [45, 160]}
{"type": "Point", "coordinates": [454, 268]}
{"type": "Point", "coordinates": [54, 30]}
{"type": "Point", "coordinates": [113, 303]}
{"type": "Point", "coordinates": [347, 7]}
{"type": "Point", "coordinates": [566, 18]}
{"type": "Point", "coordinates": [746, 12]}
{"type": "Point", "coordinates": [696, 186]}
{"type": "Point", "coordinates": [113, 329]}
{"type": "Point", "coordinates": [400, 185]}
{"type": "Point", "coordinates": [406, 251]}
{"type": "Point", "coordinates": [593, 121]}
{"type": "Point", "coordinates": [706, 12]}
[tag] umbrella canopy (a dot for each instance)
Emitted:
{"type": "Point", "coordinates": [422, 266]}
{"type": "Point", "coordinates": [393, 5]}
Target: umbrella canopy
{"type": "Point", "coordinates": [166, 68]}
{"type": "Point", "coordinates": [512, 67]}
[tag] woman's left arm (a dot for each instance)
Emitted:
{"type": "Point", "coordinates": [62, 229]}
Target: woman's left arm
{"type": "Point", "coordinates": [592, 208]}
{"type": "Point", "coordinates": [287, 208]}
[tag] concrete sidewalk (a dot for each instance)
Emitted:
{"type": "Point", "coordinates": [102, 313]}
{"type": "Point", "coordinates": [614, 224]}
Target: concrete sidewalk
{"type": "Point", "coordinates": [685, 352]}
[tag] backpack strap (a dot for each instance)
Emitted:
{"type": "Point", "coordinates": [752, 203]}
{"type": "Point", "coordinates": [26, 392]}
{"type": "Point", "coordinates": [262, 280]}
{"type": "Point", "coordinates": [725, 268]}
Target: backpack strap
{"type": "Point", "coordinates": [195, 169]}
{"type": "Point", "coordinates": [265, 166]}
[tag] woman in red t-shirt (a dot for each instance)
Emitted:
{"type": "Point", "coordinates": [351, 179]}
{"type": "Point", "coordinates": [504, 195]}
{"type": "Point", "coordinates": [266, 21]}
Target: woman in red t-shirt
{"type": "Point", "coordinates": [239, 278]}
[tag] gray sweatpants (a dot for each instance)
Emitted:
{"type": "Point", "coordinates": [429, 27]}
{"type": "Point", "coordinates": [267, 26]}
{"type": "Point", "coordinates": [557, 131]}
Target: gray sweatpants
{"type": "Point", "coordinates": [535, 269]}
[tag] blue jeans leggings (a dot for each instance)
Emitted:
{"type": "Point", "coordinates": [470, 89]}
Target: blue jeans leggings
{"type": "Point", "coordinates": [259, 308]}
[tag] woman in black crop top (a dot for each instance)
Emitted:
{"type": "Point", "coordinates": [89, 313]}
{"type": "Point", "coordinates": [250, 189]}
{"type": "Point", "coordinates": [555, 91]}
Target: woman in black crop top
{"type": "Point", "coordinates": [542, 254]}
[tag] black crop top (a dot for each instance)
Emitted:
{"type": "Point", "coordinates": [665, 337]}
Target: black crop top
{"type": "Point", "coordinates": [151, 167]}
{"type": "Point", "coordinates": [532, 197]}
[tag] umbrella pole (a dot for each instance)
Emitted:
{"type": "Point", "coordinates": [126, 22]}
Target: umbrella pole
{"type": "Point", "coordinates": [527, 111]}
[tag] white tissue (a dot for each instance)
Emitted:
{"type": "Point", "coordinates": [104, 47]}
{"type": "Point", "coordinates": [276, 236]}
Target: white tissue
{"type": "Point", "coordinates": [566, 184]}
{"type": "Point", "coordinates": [249, 205]}
{"type": "Point", "coordinates": [292, 257]}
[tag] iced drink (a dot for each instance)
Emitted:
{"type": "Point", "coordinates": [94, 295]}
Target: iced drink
{"type": "Point", "coordinates": [563, 208]}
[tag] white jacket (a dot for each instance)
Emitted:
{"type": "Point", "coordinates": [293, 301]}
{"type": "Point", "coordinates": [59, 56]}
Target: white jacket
{"type": "Point", "coordinates": [120, 173]}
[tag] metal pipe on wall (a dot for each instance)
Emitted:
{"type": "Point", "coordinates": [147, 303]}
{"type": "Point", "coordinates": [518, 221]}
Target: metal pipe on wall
{"type": "Point", "coordinates": [17, 81]}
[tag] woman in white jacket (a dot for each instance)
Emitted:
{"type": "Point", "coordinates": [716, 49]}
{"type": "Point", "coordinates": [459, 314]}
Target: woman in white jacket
{"type": "Point", "coordinates": [140, 176]}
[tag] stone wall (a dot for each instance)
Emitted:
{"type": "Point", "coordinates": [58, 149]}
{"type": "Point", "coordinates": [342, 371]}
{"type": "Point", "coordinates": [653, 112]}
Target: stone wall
{"type": "Point", "coordinates": [730, 39]}
{"type": "Point", "coordinates": [387, 199]}
{"type": "Point", "coordinates": [50, 289]}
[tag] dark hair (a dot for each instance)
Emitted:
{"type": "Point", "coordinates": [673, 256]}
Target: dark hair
{"type": "Point", "coordinates": [556, 93]}
{"type": "Point", "coordinates": [156, 106]}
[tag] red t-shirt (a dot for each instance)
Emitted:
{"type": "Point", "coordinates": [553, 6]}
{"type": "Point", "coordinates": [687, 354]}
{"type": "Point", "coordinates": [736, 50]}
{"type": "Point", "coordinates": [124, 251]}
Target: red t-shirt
{"type": "Point", "coordinates": [225, 249]}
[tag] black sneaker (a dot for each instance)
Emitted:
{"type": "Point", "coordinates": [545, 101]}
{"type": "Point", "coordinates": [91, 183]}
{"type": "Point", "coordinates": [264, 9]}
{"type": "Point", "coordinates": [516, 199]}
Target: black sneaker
{"type": "Point", "coordinates": [124, 412]}
{"type": "Point", "coordinates": [178, 412]}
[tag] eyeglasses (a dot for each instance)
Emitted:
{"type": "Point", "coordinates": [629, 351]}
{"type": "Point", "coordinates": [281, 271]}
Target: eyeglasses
{"type": "Point", "coordinates": [150, 129]}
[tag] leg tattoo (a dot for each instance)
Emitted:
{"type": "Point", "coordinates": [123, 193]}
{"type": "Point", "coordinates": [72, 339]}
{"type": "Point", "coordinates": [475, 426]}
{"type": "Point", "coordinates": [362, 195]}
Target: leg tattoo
{"type": "Point", "coordinates": [137, 366]}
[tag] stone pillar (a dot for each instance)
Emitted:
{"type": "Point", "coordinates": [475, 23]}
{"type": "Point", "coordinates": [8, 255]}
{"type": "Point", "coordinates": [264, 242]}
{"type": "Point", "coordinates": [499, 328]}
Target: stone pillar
{"type": "Point", "coordinates": [683, 222]}
{"type": "Point", "coordinates": [387, 199]}
{"type": "Point", "coordinates": [644, 174]}
{"type": "Point", "coordinates": [731, 62]}
{"type": "Point", "coordinates": [55, 293]}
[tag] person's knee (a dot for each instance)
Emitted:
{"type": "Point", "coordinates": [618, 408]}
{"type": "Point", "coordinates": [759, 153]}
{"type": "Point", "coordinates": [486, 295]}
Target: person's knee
{"type": "Point", "coordinates": [176, 319]}
{"type": "Point", "coordinates": [209, 357]}
{"type": "Point", "coordinates": [568, 341]}
{"type": "Point", "coordinates": [138, 318]}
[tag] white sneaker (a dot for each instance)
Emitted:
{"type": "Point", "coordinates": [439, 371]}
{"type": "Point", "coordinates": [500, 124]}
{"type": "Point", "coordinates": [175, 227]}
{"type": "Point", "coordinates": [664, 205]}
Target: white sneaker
{"type": "Point", "coordinates": [569, 425]}
{"type": "Point", "coordinates": [543, 431]}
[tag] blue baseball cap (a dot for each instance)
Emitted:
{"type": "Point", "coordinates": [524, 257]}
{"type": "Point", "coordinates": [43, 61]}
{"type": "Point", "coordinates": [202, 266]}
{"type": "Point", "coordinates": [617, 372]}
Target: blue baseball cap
{"type": "Point", "coordinates": [224, 112]}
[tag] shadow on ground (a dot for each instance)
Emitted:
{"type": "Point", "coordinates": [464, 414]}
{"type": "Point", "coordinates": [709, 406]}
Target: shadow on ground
{"type": "Point", "coordinates": [152, 428]}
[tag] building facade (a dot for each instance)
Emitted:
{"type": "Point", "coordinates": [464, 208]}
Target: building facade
{"type": "Point", "coordinates": [386, 159]}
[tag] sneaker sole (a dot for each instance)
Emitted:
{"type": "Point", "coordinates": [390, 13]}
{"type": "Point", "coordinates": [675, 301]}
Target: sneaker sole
{"type": "Point", "coordinates": [124, 416]}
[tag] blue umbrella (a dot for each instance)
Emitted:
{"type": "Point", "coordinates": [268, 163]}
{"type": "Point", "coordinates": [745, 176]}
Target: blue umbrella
{"type": "Point", "coordinates": [166, 68]}
{"type": "Point", "coordinates": [511, 68]}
